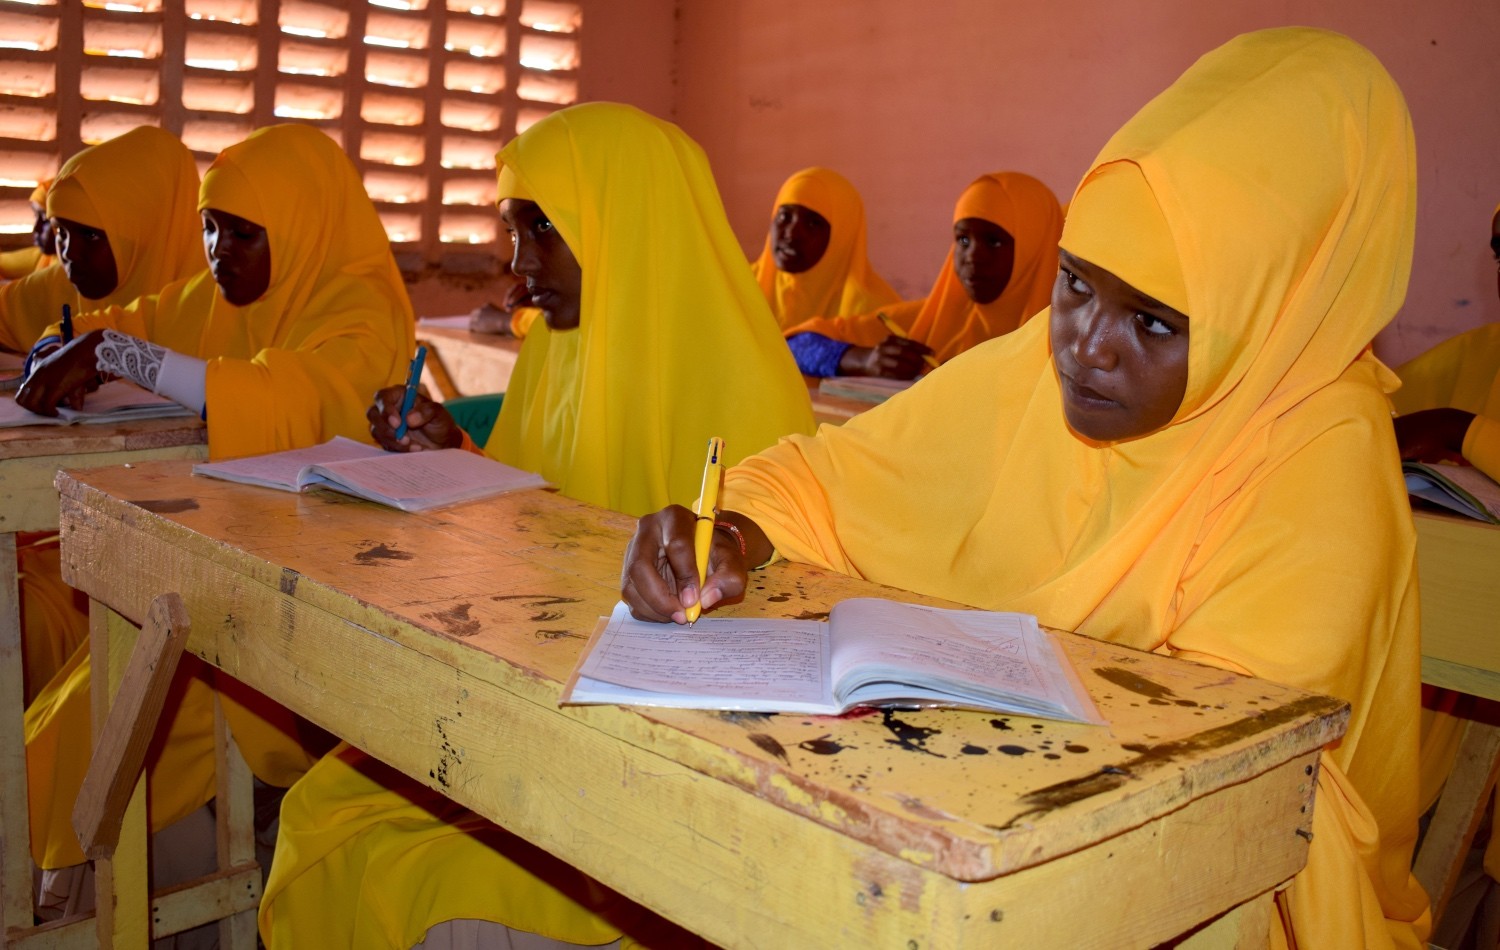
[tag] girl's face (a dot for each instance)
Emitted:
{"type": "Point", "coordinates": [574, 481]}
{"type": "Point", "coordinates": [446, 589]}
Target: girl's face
{"type": "Point", "coordinates": [239, 253]}
{"type": "Point", "coordinates": [87, 258]}
{"type": "Point", "coordinates": [1121, 357]}
{"type": "Point", "coordinates": [799, 238]}
{"type": "Point", "coordinates": [544, 260]}
{"type": "Point", "coordinates": [984, 254]}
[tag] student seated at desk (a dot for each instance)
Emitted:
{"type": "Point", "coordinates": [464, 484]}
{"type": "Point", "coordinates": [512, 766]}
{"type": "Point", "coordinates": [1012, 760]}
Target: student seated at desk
{"type": "Point", "coordinates": [814, 264]}
{"type": "Point", "coordinates": [128, 227]}
{"type": "Point", "coordinates": [301, 314]}
{"type": "Point", "coordinates": [646, 349]}
{"type": "Point", "coordinates": [999, 272]}
{"type": "Point", "coordinates": [42, 252]}
{"type": "Point", "coordinates": [1449, 398]}
{"type": "Point", "coordinates": [1190, 453]}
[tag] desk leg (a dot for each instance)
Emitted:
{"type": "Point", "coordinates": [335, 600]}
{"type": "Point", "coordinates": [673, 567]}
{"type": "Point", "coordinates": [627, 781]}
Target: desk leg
{"type": "Point", "coordinates": [122, 883]}
{"type": "Point", "coordinates": [1459, 811]}
{"type": "Point", "coordinates": [235, 825]}
{"type": "Point", "coordinates": [15, 822]}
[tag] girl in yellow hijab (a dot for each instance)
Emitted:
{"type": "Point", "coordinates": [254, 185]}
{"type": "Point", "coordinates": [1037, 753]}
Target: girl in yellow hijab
{"type": "Point", "coordinates": [646, 348]}
{"type": "Point", "coordinates": [1189, 453]}
{"type": "Point", "coordinates": [302, 315]}
{"type": "Point", "coordinates": [998, 274]}
{"type": "Point", "coordinates": [1449, 398]}
{"type": "Point", "coordinates": [139, 190]}
{"type": "Point", "coordinates": [43, 249]}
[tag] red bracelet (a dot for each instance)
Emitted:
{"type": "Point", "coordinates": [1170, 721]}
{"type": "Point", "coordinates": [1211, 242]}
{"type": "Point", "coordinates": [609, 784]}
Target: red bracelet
{"type": "Point", "coordinates": [734, 532]}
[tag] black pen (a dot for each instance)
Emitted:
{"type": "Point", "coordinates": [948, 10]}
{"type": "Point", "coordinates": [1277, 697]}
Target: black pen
{"type": "Point", "coordinates": [67, 325]}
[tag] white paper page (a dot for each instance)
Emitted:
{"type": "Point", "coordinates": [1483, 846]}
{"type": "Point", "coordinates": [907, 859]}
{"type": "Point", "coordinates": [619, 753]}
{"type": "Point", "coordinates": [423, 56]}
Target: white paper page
{"type": "Point", "coordinates": [115, 401]}
{"type": "Point", "coordinates": [990, 652]}
{"type": "Point", "coordinates": [460, 322]}
{"type": "Point", "coordinates": [1476, 483]}
{"type": "Point", "coordinates": [281, 469]}
{"type": "Point", "coordinates": [719, 662]}
{"type": "Point", "coordinates": [417, 481]}
{"type": "Point", "coordinates": [13, 414]}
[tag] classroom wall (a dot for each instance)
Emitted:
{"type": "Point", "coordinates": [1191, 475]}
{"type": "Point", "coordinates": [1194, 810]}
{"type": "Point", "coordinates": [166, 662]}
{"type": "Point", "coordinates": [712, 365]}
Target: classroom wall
{"type": "Point", "coordinates": [913, 100]}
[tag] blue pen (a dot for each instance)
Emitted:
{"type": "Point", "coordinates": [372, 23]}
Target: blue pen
{"type": "Point", "coordinates": [410, 398]}
{"type": "Point", "coordinates": [67, 324]}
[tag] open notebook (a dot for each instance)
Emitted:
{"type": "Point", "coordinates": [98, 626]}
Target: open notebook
{"type": "Point", "coordinates": [116, 401]}
{"type": "Point", "coordinates": [1459, 488]}
{"type": "Point", "coordinates": [411, 481]}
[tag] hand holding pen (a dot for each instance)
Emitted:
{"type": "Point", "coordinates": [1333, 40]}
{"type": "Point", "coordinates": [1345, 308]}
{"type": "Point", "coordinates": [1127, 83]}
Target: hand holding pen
{"type": "Point", "coordinates": [403, 420]}
{"type": "Point", "coordinates": [705, 512]}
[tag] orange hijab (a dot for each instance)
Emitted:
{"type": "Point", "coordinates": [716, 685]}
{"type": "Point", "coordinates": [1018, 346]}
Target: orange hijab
{"type": "Point", "coordinates": [842, 281]}
{"type": "Point", "coordinates": [948, 320]}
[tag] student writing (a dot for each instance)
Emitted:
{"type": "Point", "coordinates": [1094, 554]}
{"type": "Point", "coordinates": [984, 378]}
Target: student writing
{"type": "Point", "coordinates": [1190, 452]}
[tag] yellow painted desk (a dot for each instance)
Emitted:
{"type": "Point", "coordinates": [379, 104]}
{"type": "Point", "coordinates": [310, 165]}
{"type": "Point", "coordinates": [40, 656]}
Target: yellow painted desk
{"type": "Point", "coordinates": [477, 363]}
{"type": "Point", "coordinates": [29, 460]}
{"type": "Point", "coordinates": [439, 643]}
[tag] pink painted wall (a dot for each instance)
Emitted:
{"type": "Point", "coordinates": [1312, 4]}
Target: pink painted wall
{"type": "Point", "coordinates": [912, 100]}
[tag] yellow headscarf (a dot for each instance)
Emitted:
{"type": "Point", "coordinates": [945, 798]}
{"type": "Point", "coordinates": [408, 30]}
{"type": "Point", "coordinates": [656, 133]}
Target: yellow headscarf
{"type": "Point", "coordinates": [1264, 529]}
{"type": "Point", "coordinates": [842, 281]}
{"type": "Point", "coordinates": [675, 343]}
{"type": "Point", "coordinates": [335, 323]}
{"type": "Point", "coordinates": [141, 190]}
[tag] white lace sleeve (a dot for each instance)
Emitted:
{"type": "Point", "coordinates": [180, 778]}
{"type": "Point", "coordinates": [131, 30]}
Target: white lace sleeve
{"type": "Point", "coordinates": [182, 379]}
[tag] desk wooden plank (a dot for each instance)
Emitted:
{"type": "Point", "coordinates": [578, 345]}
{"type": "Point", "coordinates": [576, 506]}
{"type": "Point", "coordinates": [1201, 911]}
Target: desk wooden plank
{"type": "Point", "coordinates": [439, 643]}
{"type": "Point", "coordinates": [477, 363]}
{"type": "Point", "coordinates": [1458, 560]}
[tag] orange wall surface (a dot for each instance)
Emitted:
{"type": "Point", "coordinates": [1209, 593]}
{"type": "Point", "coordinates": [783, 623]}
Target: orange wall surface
{"type": "Point", "coordinates": [912, 100]}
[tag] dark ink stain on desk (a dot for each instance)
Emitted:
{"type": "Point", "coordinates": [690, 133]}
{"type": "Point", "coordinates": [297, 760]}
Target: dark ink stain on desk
{"type": "Point", "coordinates": [1150, 757]}
{"type": "Point", "coordinates": [546, 615]}
{"type": "Point", "coordinates": [289, 581]}
{"type": "Point", "coordinates": [822, 746]}
{"type": "Point", "coordinates": [1002, 724]}
{"type": "Point", "coordinates": [812, 615]}
{"type": "Point", "coordinates": [168, 506]}
{"type": "Point", "coordinates": [1135, 682]}
{"type": "Point", "coordinates": [555, 635]}
{"type": "Point", "coordinates": [455, 620]}
{"type": "Point", "coordinates": [1012, 749]}
{"type": "Point", "coordinates": [380, 552]}
{"type": "Point", "coordinates": [1075, 749]}
{"type": "Point", "coordinates": [768, 743]}
{"type": "Point", "coordinates": [449, 756]}
{"type": "Point", "coordinates": [745, 718]}
{"type": "Point", "coordinates": [907, 736]}
{"type": "Point", "coordinates": [537, 601]}
{"type": "Point", "coordinates": [974, 750]}
{"type": "Point", "coordinates": [779, 598]}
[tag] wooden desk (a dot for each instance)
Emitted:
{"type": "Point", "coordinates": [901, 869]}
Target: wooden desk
{"type": "Point", "coordinates": [29, 460]}
{"type": "Point", "coordinates": [438, 643]}
{"type": "Point", "coordinates": [477, 363]}
{"type": "Point", "coordinates": [1458, 560]}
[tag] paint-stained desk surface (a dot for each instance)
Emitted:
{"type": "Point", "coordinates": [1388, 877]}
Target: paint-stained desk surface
{"type": "Point", "coordinates": [439, 643]}
{"type": "Point", "coordinates": [1458, 563]}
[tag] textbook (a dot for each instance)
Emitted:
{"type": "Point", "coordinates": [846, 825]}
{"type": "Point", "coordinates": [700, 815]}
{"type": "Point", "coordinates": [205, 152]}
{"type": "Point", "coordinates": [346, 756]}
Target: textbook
{"type": "Point", "coordinates": [411, 481]}
{"type": "Point", "coordinates": [870, 652]}
{"type": "Point", "coordinates": [1459, 488]}
{"type": "Point", "coordinates": [115, 401]}
{"type": "Point", "coordinates": [864, 388]}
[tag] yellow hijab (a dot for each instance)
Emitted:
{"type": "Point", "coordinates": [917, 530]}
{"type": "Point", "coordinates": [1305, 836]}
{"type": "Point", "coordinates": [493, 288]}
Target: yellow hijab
{"type": "Point", "coordinates": [300, 364]}
{"type": "Point", "coordinates": [141, 190]}
{"type": "Point", "coordinates": [842, 281]}
{"type": "Point", "coordinates": [675, 343]}
{"type": "Point", "coordinates": [1265, 529]}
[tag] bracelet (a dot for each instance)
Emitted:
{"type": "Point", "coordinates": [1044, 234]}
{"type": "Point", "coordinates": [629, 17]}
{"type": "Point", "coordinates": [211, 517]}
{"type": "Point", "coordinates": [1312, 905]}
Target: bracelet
{"type": "Point", "coordinates": [734, 532]}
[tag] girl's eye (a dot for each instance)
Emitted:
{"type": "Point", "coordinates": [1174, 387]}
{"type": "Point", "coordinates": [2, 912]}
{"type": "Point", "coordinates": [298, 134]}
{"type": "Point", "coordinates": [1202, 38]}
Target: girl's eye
{"type": "Point", "coordinates": [1155, 326]}
{"type": "Point", "coordinates": [1071, 281]}
{"type": "Point", "coordinates": [543, 225]}
{"type": "Point", "coordinates": [961, 242]}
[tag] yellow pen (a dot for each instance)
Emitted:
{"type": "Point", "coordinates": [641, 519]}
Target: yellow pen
{"type": "Point", "coordinates": [707, 511]}
{"type": "Point", "coordinates": [896, 331]}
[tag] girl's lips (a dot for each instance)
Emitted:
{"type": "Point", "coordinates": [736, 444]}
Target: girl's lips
{"type": "Point", "coordinates": [1084, 394]}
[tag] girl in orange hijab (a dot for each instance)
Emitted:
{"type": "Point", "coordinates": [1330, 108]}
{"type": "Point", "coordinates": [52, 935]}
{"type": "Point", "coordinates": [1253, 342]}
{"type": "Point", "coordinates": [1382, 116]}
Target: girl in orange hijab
{"type": "Point", "coordinates": [998, 273]}
{"type": "Point", "coordinates": [1190, 452]}
{"type": "Point", "coordinates": [43, 250]}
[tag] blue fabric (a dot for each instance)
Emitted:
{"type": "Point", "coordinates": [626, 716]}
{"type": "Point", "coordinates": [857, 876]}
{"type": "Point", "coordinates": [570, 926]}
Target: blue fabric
{"type": "Point", "coordinates": [817, 355]}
